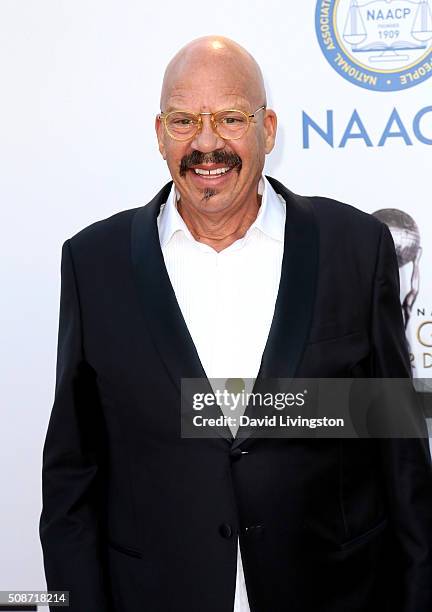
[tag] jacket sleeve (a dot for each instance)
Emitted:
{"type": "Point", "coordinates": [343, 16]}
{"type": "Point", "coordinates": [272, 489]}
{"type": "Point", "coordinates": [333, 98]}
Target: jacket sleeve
{"type": "Point", "coordinates": [72, 465]}
{"type": "Point", "coordinates": [406, 462]}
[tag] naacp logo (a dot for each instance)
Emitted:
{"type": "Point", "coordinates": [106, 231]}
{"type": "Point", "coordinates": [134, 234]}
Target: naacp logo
{"type": "Point", "coordinates": [384, 45]}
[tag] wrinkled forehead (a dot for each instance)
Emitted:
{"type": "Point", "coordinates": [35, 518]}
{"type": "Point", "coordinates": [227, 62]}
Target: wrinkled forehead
{"type": "Point", "coordinates": [202, 100]}
{"type": "Point", "coordinates": [211, 85]}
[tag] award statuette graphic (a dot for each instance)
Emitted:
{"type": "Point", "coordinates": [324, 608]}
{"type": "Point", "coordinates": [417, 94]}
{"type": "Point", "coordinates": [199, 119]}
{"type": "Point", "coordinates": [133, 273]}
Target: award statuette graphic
{"type": "Point", "coordinates": [383, 45]}
{"type": "Point", "coordinates": [406, 237]}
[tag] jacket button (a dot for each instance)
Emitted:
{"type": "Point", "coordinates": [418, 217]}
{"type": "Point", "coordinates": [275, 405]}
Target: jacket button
{"type": "Point", "coordinates": [225, 530]}
{"type": "Point", "coordinates": [236, 453]}
{"type": "Point", "coordinates": [255, 531]}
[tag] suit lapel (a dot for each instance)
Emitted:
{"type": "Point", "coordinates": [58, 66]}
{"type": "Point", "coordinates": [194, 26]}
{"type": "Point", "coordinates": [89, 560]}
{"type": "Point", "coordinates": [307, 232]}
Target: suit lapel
{"type": "Point", "coordinates": [293, 308]}
{"type": "Point", "coordinates": [163, 315]}
{"type": "Point", "coordinates": [296, 296]}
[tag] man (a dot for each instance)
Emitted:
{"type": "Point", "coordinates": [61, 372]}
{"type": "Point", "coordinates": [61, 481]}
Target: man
{"type": "Point", "coordinates": [227, 273]}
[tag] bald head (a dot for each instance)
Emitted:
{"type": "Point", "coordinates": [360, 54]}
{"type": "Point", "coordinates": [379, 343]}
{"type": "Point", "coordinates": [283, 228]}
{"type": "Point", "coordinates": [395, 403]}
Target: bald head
{"type": "Point", "coordinates": [213, 59]}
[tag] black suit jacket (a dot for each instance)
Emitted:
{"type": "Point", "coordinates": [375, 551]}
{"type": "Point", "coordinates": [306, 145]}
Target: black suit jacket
{"type": "Point", "coordinates": [136, 518]}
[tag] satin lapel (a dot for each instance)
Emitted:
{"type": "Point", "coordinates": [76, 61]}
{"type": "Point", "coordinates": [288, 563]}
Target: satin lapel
{"type": "Point", "coordinates": [296, 296]}
{"type": "Point", "coordinates": [164, 318]}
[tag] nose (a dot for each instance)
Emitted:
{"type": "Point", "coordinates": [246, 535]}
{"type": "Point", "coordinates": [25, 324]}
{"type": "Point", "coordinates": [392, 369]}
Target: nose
{"type": "Point", "coordinates": [206, 139]}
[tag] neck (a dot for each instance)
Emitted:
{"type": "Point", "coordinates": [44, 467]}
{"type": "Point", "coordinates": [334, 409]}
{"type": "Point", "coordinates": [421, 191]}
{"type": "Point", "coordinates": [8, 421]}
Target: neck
{"type": "Point", "coordinates": [220, 231]}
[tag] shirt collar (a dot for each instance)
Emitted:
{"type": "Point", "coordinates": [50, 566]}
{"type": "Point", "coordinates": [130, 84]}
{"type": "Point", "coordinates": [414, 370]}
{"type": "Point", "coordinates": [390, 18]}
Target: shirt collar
{"type": "Point", "coordinates": [270, 219]}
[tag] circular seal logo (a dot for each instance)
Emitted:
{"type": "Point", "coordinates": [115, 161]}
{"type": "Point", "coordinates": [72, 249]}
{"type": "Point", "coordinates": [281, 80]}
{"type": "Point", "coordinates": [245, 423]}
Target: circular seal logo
{"type": "Point", "coordinates": [383, 45]}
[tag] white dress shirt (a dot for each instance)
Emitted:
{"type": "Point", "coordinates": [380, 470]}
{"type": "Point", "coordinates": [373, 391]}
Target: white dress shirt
{"type": "Point", "coordinates": [227, 299]}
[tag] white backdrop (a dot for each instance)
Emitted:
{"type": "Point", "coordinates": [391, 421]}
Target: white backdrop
{"type": "Point", "coordinates": [80, 88]}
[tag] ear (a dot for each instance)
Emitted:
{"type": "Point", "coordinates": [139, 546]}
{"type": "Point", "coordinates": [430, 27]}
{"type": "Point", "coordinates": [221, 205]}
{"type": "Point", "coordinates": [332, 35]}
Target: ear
{"type": "Point", "coordinates": [160, 133]}
{"type": "Point", "coordinates": [270, 128]}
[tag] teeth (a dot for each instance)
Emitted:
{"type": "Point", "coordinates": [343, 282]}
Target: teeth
{"type": "Point", "coordinates": [210, 172]}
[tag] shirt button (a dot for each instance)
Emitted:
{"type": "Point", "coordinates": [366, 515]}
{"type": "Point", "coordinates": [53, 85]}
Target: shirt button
{"type": "Point", "coordinates": [225, 530]}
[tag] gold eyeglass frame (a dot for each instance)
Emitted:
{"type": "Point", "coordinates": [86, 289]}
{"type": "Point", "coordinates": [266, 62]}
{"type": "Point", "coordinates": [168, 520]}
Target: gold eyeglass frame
{"type": "Point", "coordinates": [164, 116]}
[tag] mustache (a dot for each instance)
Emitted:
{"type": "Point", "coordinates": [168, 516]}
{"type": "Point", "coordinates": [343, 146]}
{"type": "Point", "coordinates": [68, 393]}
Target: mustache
{"type": "Point", "coordinates": [230, 160]}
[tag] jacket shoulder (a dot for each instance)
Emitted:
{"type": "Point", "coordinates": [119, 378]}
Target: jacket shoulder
{"type": "Point", "coordinates": [104, 230]}
{"type": "Point", "coordinates": [346, 230]}
{"type": "Point", "coordinates": [329, 212]}
{"type": "Point", "coordinates": [336, 212]}
{"type": "Point", "coordinates": [115, 229]}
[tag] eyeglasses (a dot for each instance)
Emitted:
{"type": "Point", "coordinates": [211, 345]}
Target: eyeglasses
{"type": "Point", "coordinates": [229, 124]}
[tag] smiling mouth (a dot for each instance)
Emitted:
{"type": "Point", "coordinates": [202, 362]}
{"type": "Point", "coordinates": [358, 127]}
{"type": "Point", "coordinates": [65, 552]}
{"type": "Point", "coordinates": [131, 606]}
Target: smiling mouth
{"type": "Point", "coordinates": [212, 165]}
{"type": "Point", "coordinates": [211, 173]}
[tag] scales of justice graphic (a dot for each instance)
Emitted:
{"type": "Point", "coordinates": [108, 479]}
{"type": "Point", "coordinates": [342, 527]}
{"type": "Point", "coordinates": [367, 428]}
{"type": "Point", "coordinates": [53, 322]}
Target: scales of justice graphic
{"type": "Point", "coordinates": [356, 33]}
